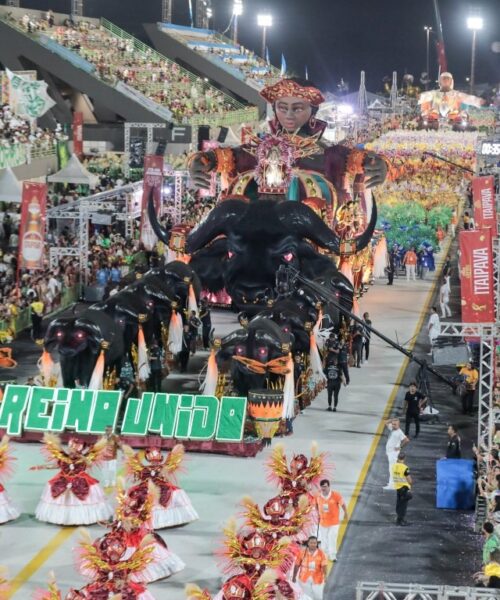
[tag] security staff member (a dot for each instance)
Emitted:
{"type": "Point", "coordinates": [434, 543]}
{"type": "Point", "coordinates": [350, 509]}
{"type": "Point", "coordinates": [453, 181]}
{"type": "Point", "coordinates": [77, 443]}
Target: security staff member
{"type": "Point", "coordinates": [402, 484]}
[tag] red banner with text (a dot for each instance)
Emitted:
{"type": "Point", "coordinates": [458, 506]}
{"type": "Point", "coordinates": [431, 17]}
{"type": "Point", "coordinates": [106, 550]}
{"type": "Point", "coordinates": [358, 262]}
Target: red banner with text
{"type": "Point", "coordinates": [153, 183]}
{"type": "Point", "coordinates": [483, 194]}
{"type": "Point", "coordinates": [476, 276]}
{"type": "Point", "coordinates": [78, 134]}
{"type": "Point", "coordinates": [32, 226]}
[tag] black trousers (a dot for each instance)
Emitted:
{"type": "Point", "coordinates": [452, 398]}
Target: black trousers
{"type": "Point", "coordinates": [357, 352]}
{"type": "Point", "coordinates": [36, 321]}
{"type": "Point", "coordinates": [206, 336]}
{"type": "Point", "coordinates": [468, 401]}
{"type": "Point", "coordinates": [155, 380]}
{"type": "Point", "coordinates": [402, 500]}
{"type": "Point", "coordinates": [409, 418]}
{"type": "Point", "coordinates": [333, 389]}
{"type": "Point", "coordinates": [345, 370]}
{"type": "Point", "coordinates": [183, 358]}
{"type": "Point", "coordinates": [366, 346]}
{"type": "Point", "coordinates": [390, 277]}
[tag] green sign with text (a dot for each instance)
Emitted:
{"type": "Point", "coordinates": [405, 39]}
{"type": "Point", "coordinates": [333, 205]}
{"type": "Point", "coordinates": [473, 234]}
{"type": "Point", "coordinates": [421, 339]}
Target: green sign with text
{"type": "Point", "coordinates": [180, 416]}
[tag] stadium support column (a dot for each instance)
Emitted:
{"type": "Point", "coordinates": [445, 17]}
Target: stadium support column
{"type": "Point", "coordinates": [166, 11]}
{"type": "Point", "coordinates": [394, 91]}
{"type": "Point", "coordinates": [199, 15]}
{"type": "Point", "coordinates": [77, 8]}
{"type": "Point", "coordinates": [362, 98]}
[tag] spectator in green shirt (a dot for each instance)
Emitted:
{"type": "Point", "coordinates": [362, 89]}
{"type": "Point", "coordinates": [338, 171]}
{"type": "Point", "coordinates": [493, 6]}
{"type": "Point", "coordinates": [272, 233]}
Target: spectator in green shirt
{"type": "Point", "coordinates": [492, 542]}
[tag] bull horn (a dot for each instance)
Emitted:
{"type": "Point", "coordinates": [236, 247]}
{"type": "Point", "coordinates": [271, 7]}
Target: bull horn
{"type": "Point", "coordinates": [302, 220]}
{"type": "Point", "coordinates": [162, 233]}
{"type": "Point", "coordinates": [364, 239]}
{"type": "Point", "coordinates": [219, 221]}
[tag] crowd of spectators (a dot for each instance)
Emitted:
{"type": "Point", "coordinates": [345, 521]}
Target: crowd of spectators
{"type": "Point", "coordinates": [14, 130]}
{"type": "Point", "coordinates": [251, 67]}
{"type": "Point", "coordinates": [123, 60]}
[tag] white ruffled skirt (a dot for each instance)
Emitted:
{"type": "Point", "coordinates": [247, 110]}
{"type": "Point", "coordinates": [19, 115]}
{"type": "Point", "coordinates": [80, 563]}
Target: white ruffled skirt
{"type": "Point", "coordinates": [67, 509]}
{"type": "Point", "coordinates": [178, 512]}
{"type": "Point", "coordinates": [164, 564]}
{"type": "Point", "coordinates": [8, 512]}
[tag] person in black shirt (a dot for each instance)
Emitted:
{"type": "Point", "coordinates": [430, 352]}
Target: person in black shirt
{"type": "Point", "coordinates": [390, 268]}
{"type": "Point", "coordinates": [334, 380]}
{"type": "Point", "coordinates": [414, 402]}
{"type": "Point", "coordinates": [453, 449]}
{"type": "Point", "coordinates": [298, 370]}
{"type": "Point", "coordinates": [367, 335]}
{"type": "Point", "coordinates": [194, 324]}
{"type": "Point", "coordinates": [357, 344]}
{"type": "Point", "coordinates": [343, 358]}
{"type": "Point", "coordinates": [206, 323]}
{"type": "Point", "coordinates": [183, 356]}
{"type": "Point", "coordinates": [156, 366]}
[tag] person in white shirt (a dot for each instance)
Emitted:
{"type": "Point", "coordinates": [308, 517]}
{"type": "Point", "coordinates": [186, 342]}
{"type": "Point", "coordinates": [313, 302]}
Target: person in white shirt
{"type": "Point", "coordinates": [434, 326]}
{"type": "Point", "coordinates": [396, 440]}
{"type": "Point", "coordinates": [444, 298]}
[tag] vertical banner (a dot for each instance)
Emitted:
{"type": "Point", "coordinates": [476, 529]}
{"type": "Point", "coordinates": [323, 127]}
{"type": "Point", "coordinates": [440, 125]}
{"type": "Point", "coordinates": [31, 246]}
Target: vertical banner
{"type": "Point", "coordinates": [78, 134]}
{"type": "Point", "coordinates": [476, 276]}
{"type": "Point", "coordinates": [32, 226]}
{"type": "Point", "coordinates": [153, 182]}
{"type": "Point", "coordinates": [483, 195]}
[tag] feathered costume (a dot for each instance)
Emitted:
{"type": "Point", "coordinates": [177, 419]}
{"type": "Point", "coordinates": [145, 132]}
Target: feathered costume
{"type": "Point", "coordinates": [133, 519]}
{"type": "Point", "coordinates": [73, 497]}
{"type": "Point", "coordinates": [297, 479]}
{"type": "Point", "coordinates": [239, 587]}
{"type": "Point", "coordinates": [113, 569]}
{"type": "Point", "coordinates": [173, 506]}
{"type": "Point", "coordinates": [8, 512]}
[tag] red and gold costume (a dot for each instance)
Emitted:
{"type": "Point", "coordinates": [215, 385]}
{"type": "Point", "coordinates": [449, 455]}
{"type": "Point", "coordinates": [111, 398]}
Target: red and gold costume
{"type": "Point", "coordinates": [8, 512]}
{"type": "Point", "coordinates": [73, 497]}
{"type": "Point", "coordinates": [173, 506]}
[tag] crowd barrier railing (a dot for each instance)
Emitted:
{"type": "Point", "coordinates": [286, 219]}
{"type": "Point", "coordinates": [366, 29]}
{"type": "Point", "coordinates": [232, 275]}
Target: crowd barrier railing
{"type": "Point", "coordinates": [405, 591]}
{"type": "Point", "coordinates": [22, 321]}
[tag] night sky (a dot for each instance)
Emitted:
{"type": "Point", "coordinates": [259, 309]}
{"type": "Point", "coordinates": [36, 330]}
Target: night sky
{"type": "Point", "coordinates": [336, 38]}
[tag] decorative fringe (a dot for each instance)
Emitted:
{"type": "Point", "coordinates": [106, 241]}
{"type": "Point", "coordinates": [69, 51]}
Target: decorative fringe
{"type": "Point", "coordinates": [320, 342]}
{"type": "Point", "coordinates": [96, 381]}
{"type": "Point", "coordinates": [143, 368]}
{"type": "Point", "coordinates": [209, 385]}
{"type": "Point", "coordinates": [175, 333]}
{"type": "Point", "coordinates": [355, 307]}
{"type": "Point", "coordinates": [46, 364]}
{"type": "Point", "coordinates": [345, 269]}
{"type": "Point", "coordinates": [289, 391]}
{"type": "Point", "coordinates": [380, 258]}
{"type": "Point", "coordinates": [192, 304]}
{"type": "Point", "coordinates": [315, 361]}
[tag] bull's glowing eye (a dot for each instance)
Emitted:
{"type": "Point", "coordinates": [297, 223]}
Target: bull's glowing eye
{"type": "Point", "coordinates": [288, 257]}
{"type": "Point", "coordinates": [285, 329]}
{"type": "Point", "coordinates": [59, 334]}
{"type": "Point", "coordinates": [239, 350]}
{"type": "Point", "coordinates": [80, 335]}
{"type": "Point", "coordinates": [262, 351]}
{"type": "Point", "coordinates": [230, 254]}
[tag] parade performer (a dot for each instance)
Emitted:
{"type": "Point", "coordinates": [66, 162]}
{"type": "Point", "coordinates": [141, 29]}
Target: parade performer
{"type": "Point", "coordinates": [72, 497]}
{"type": "Point", "coordinates": [299, 479]}
{"type": "Point", "coordinates": [240, 587]}
{"type": "Point", "coordinates": [173, 506]}
{"type": "Point", "coordinates": [8, 512]}
{"type": "Point", "coordinates": [134, 520]}
{"type": "Point", "coordinates": [113, 569]}
{"type": "Point", "coordinates": [446, 103]}
{"type": "Point", "coordinates": [295, 103]}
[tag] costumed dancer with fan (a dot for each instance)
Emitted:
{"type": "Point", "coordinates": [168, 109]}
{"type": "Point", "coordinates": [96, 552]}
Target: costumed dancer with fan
{"type": "Point", "coordinates": [72, 497]}
{"type": "Point", "coordinates": [8, 512]}
{"type": "Point", "coordinates": [173, 506]}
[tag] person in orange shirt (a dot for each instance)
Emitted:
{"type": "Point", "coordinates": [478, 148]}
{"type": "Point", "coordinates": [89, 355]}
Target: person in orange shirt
{"type": "Point", "coordinates": [328, 503]}
{"type": "Point", "coordinates": [410, 262]}
{"type": "Point", "coordinates": [312, 568]}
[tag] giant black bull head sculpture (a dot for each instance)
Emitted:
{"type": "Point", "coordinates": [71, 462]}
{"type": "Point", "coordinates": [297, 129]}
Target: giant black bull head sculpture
{"type": "Point", "coordinates": [241, 245]}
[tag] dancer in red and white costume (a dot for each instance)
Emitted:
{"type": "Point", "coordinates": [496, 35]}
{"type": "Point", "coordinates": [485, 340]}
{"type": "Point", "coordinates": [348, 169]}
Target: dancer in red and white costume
{"type": "Point", "coordinates": [173, 506]}
{"type": "Point", "coordinates": [8, 512]}
{"type": "Point", "coordinates": [73, 497]}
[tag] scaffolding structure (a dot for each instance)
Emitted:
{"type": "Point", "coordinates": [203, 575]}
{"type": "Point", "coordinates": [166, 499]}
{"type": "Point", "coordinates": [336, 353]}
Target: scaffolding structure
{"type": "Point", "coordinates": [77, 8]}
{"type": "Point", "coordinates": [394, 90]}
{"type": "Point", "coordinates": [166, 11]}
{"type": "Point", "coordinates": [362, 97]}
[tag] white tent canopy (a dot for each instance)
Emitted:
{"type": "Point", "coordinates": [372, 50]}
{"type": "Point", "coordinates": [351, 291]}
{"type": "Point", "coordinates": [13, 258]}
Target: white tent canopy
{"type": "Point", "coordinates": [74, 172]}
{"type": "Point", "coordinates": [11, 189]}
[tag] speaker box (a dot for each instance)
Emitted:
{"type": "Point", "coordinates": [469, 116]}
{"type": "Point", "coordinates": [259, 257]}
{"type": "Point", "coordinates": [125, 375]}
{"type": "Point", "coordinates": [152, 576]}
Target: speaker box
{"type": "Point", "coordinates": [203, 135]}
{"type": "Point", "coordinates": [222, 135]}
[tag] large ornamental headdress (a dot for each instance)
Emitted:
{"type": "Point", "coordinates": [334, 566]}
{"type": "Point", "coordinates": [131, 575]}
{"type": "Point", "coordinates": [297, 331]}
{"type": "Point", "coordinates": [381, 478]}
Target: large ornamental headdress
{"type": "Point", "coordinates": [288, 88]}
